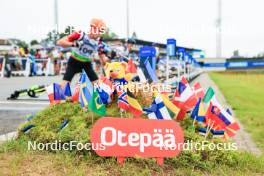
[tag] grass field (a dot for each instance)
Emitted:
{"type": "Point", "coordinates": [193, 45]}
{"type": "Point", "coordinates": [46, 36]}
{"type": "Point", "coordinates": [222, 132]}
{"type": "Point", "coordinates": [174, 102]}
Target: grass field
{"type": "Point", "coordinates": [244, 91]}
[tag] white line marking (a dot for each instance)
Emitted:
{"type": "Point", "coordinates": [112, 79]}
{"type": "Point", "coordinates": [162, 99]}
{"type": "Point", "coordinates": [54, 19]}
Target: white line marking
{"type": "Point", "coordinates": [24, 102]}
{"type": "Point", "coordinates": [20, 108]}
{"type": "Point", "coordinates": [8, 136]}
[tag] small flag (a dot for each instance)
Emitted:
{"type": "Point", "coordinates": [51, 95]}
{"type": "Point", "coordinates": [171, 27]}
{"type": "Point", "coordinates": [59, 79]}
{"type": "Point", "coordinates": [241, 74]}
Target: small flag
{"type": "Point", "coordinates": [210, 94]}
{"type": "Point", "coordinates": [198, 112]}
{"type": "Point", "coordinates": [27, 128]}
{"type": "Point", "coordinates": [58, 93]}
{"type": "Point", "coordinates": [134, 106]}
{"type": "Point", "coordinates": [221, 120]}
{"type": "Point", "coordinates": [105, 90]}
{"type": "Point", "coordinates": [158, 110]}
{"type": "Point", "coordinates": [64, 124]}
{"type": "Point", "coordinates": [96, 105]}
{"type": "Point", "coordinates": [151, 72]}
{"type": "Point", "coordinates": [30, 117]}
{"type": "Point", "coordinates": [76, 93]}
{"type": "Point", "coordinates": [169, 104]}
{"type": "Point", "coordinates": [202, 131]}
{"type": "Point", "coordinates": [184, 98]}
{"type": "Point", "coordinates": [67, 91]}
{"type": "Point", "coordinates": [218, 133]}
{"type": "Point", "coordinates": [131, 67]}
{"type": "Point", "coordinates": [50, 92]}
{"type": "Point", "coordinates": [86, 90]}
{"type": "Point", "coordinates": [198, 90]}
{"type": "Point", "coordinates": [122, 99]}
{"type": "Point", "coordinates": [141, 75]}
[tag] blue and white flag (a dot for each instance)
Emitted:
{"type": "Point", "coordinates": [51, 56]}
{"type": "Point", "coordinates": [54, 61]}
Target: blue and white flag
{"type": "Point", "coordinates": [151, 72]}
{"type": "Point", "coordinates": [158, 110]}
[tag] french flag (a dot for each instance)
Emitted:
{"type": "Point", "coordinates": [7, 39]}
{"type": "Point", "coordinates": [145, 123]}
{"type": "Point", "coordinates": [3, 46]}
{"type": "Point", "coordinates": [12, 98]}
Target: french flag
{"type": "Point", "coordinates": [50, 92]}
{"type": "Point", "coordinates": [55, 93]}
{"type": "Point", "coordinates": [184, 98]}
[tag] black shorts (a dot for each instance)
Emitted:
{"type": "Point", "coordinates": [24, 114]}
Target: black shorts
{"type": "Point", "coordinates": [75, 66]}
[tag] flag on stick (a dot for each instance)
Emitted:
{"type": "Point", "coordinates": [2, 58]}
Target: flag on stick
{"type": "Point", "coordinates": [198, 113]}
{"type": "Point", "coordinates": [58, 93]}
{"type": "Point", "coordinates": [96, 105]}
{"type": "Point", "coordinates": [67, 91]}
{"type": "Point", "coordinates": [151, 72]}
{"type": "Point", "coordinates": [158, 110]}
{"type": "Point", "coordinates": [50, 92]}
{"type": "Point", "coordinates": [134, 106]}
{"type": "Point", "coordinates": [86, 90]}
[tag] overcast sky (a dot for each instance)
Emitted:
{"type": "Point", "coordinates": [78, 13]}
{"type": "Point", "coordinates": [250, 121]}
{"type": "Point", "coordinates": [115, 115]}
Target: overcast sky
{"type": "Point", "coordinates": [190, 22]}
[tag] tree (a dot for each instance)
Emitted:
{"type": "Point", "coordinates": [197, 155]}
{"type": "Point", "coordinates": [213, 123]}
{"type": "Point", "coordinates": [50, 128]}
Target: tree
{"type": "Point", "coordinates": [134, 35]}
{"type": "Point", "coordinates": [109, 35]}
{"type": "Point", "coordinates": [34, 42]}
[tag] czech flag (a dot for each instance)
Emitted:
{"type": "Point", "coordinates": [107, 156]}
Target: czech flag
{"type": "Point", "coordinates": [220, 119]}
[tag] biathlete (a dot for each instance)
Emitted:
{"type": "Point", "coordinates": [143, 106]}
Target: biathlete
{"type": "Point", "coordinates": [84, 46]}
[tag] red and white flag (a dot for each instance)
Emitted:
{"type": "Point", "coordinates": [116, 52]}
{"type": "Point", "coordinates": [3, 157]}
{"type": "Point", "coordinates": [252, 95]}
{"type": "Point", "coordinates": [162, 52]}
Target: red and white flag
{"type": "Point", "coordinates": [50, 92]}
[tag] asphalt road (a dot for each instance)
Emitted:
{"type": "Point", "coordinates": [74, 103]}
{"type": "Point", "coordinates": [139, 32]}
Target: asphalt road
{"type": "Point", "coordinates": [13, 112]}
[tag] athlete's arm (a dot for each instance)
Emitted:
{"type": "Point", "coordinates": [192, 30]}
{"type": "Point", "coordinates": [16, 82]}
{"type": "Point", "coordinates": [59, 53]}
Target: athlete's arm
{"type": "Point", "coordinates": [64, 42]}
{"type": "Point", "coordinates": [68, 41]}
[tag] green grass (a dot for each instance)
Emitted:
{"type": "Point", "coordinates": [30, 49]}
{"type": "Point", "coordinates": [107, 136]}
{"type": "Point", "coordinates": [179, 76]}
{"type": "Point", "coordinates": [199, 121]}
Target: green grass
{"type": "Point", "coordinates": [15, 159]}
{"type": "Point", "coordinates": [245, 93]}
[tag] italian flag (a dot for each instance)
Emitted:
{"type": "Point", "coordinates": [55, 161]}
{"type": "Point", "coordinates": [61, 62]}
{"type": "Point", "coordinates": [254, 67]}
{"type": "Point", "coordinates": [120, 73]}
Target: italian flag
{"type": "Point", "coordinates": [218, 117]}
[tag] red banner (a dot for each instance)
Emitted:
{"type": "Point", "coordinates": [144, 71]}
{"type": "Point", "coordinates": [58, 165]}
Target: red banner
{"type": "Point", "coordinates": [137, 137]}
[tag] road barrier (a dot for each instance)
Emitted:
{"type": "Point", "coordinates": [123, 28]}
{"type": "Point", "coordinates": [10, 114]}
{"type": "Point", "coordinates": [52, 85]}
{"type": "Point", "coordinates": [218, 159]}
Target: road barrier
{"type": "Point", "coordinates": [234, 65]}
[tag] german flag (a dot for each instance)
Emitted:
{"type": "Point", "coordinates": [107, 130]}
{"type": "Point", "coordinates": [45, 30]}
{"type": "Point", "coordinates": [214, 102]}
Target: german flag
{"type": "Point", "coordinates": [134, 106]}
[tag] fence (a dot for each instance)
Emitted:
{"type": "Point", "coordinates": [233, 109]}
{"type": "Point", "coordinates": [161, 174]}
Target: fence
{"type": "Point", "coordinates": [2, 66]}
{"type": "Point", "coordinates": [26, 66]}
{"type": "Point", "coordinates": [234, 65]}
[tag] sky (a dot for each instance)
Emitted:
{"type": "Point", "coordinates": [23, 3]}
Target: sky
{"type": "Point", "coordinates": [191, 22]}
